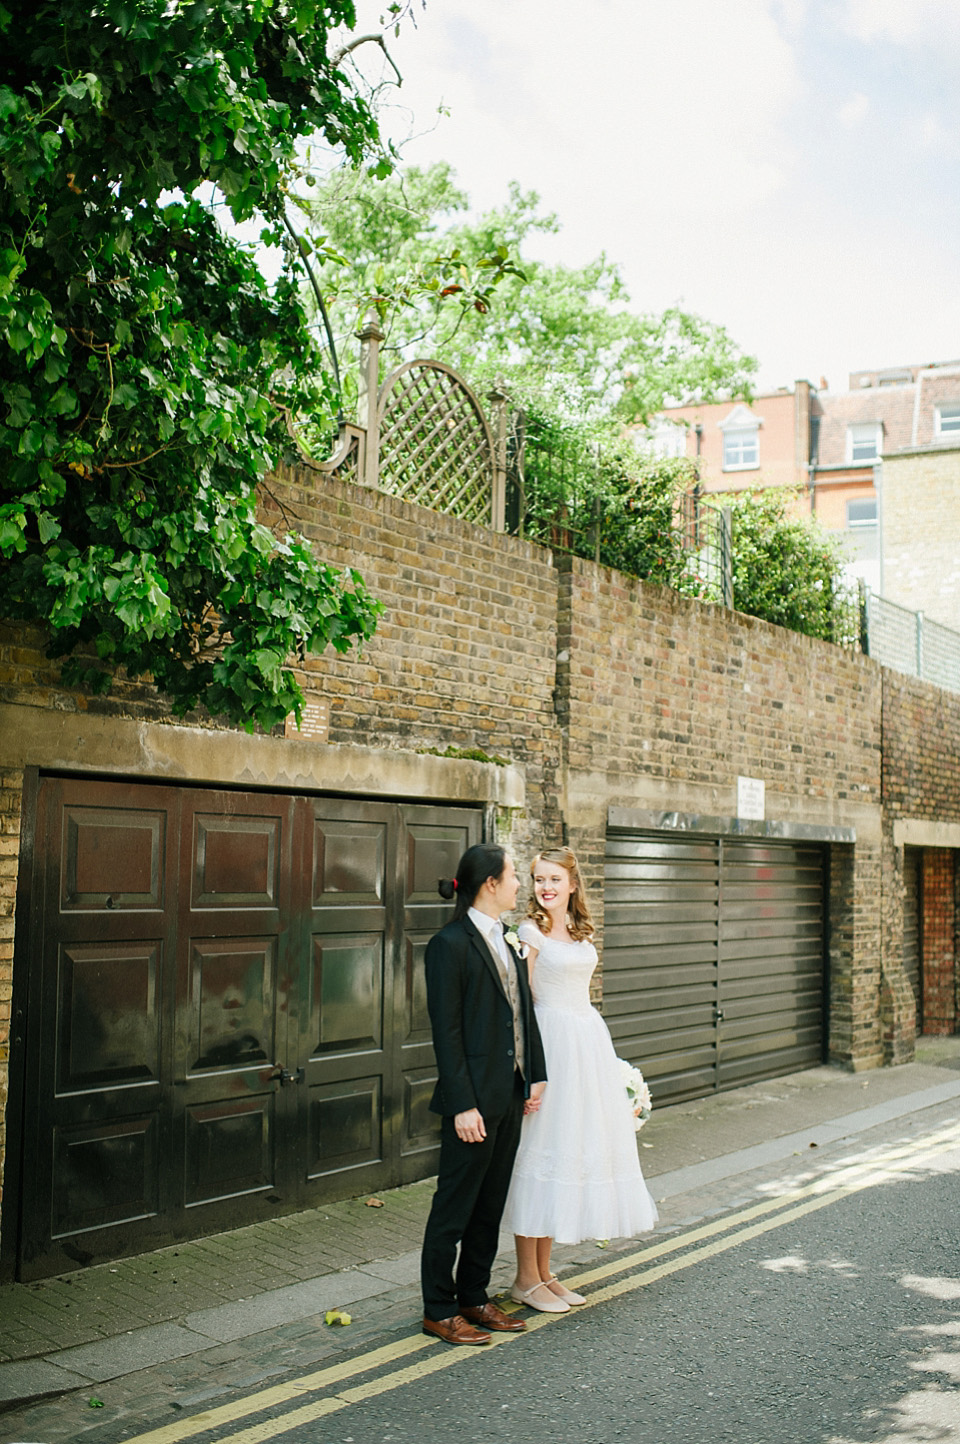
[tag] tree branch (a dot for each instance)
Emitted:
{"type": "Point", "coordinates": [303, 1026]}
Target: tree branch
{"type": "Point", "coordinates": [318, 297]}
{"type": "Point", "coordinates": [352, 45]}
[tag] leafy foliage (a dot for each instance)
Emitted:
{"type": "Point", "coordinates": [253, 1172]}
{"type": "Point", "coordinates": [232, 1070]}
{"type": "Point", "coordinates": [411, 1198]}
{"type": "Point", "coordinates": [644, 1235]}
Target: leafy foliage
{"type": "Point", "coordinates": [561, 337]}
{"type": "Point", "coordinates": [789, 569]}
{"type": "Point", "coordinates": [148, 373]}
{"type": "Point", "coordinates": [583, 489]}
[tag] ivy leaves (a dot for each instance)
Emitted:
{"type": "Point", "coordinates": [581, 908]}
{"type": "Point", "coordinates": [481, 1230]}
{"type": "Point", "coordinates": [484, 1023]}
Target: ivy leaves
{"type": "Point", "coordinates": [147, 372]}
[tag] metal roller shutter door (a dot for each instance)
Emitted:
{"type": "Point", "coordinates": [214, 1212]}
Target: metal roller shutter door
{"type": "Point", "coordinates": [713, 958]}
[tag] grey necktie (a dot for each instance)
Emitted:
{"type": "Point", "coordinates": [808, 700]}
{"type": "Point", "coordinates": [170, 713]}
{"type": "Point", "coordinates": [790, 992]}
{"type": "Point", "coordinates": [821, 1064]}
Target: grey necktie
{"type": "Point", "coordinates": [508, 976]}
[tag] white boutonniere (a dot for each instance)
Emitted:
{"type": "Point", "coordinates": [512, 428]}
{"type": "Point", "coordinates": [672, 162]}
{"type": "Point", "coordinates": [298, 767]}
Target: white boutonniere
{"type": "Point", "coordinates": [513, 939]}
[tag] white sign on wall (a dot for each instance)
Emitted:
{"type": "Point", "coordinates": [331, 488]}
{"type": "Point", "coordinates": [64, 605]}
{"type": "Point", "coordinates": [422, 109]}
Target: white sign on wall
{"type": "Point", "coordinates": [750, 798]}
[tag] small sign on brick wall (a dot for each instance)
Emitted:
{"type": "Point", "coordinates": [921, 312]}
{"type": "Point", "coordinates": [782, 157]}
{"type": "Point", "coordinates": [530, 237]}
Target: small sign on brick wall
{"type": "Point", "coordinates": [314, 723]}
{"type": "Point", "coordinates": [750, 798]}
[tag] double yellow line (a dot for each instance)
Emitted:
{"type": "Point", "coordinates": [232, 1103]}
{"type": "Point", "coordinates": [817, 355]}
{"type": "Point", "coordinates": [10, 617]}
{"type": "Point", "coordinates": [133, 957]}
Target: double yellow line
{"type": "Point", "coordinates": [693, 1247]}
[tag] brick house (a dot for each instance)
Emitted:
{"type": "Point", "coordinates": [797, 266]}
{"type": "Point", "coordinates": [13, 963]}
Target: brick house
{"type": "Point", "coordinates": [836, 447]}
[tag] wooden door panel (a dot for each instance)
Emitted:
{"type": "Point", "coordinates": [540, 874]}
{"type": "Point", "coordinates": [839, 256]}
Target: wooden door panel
{"type": "Point", "coordinates": [345, 1126]}
{"type": "Point", "coordinates": [233, 988]}
{"type": "Point", "coordinates": [230, 1148]}
{"type": "Point", "coordinates": [100, 937]}
{"type": "Point", "coordinates": [104, 1175]}
{"type": "Point", "coordinates": [111, 858]}
{"type": "Point", "coordinates": [349, 862]}
{"type": "Point", "coordinates": [346, 993]}
{"type": "Point", "coordinates": [236, 862]}
{"type": "Point", "coordinates": [108, 1022]}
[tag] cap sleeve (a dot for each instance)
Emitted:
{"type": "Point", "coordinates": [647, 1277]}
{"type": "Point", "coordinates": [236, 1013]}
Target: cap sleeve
{"type": "Point", "coordinates": [528, 932]}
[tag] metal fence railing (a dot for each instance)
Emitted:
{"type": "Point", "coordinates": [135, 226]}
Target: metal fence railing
{"type": "Point", "coordinates": [909, 642]}
{"type": "Point", "coordinates": [562, 490]}
{"type": "Point", "coordinates": [706, 534]}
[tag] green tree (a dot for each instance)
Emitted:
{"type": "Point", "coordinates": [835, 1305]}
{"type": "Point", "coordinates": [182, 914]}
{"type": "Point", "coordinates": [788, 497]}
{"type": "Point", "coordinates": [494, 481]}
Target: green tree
{"type": "Point", "coordinates": [148, 372]}
{"type": "Point", "coordinates": [562, 337]}
{"type": "Point", "coordinates": [789, 569]}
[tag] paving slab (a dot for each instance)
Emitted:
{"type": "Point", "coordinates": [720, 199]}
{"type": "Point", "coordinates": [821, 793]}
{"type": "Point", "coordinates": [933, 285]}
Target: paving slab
{"type": "Point", "coordinates": [284, 1306]}
{"type": "Point", "coordinates": [35, 1378]}
{"type": "Point", "coordinates": [129, 1352]}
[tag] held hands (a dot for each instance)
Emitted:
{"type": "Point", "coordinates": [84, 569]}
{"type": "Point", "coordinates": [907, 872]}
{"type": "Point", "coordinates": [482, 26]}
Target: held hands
{"type": "Point", "coordinates": [470, 1126]}
{"type": "Point", "coordinates": [532, 1104]}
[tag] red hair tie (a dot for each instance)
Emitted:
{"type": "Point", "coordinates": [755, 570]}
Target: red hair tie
{"type": "Point", "coordinates": [455, 884]}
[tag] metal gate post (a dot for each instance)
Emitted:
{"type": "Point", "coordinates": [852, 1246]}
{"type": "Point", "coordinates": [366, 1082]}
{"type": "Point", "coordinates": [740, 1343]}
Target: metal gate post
{"type": "Point", "coordinates": [368, 399]}
{"type": "Point", "coordinates": [498, 500]}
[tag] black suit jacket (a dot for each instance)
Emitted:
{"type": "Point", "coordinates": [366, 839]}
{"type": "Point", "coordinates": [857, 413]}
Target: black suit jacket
{"type": "Point", "coordinates": [473, 1024]}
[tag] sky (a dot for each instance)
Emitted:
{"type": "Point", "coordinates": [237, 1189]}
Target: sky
{"type": "Point", "coordinates": [785, 168]}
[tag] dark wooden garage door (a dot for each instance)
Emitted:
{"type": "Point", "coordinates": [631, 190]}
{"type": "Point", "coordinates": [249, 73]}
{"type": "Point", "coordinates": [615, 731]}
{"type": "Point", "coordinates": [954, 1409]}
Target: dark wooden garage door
{"type": "Point", "coordinates": [912, 914]}
{"type": "Point", "coordinates": [713, 963]}
{"type": "Point", "coordinates": [226, 1013]}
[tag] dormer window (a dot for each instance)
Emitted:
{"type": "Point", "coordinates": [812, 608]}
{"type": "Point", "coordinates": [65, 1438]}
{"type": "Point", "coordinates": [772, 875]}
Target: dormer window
{"type": "Point", "coordinates": [741, 440]}
{"type": "Point", "coordinates": [863, 441]}
{"type": "Point", "coordinates": [948, 419]}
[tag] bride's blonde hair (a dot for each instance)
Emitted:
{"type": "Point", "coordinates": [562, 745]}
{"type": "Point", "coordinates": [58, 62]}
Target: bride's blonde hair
{"type": "Point", "coordinates": [579, 920]}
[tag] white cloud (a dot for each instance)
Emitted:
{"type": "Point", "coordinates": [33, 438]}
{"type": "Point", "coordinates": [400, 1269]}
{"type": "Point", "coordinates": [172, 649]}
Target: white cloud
{"type": "Point", "coordinates": [855, 110]}
{"type": "Point", "coordinates": [905, 22]}
{"type": "Point", "coordinates": [934, 135]}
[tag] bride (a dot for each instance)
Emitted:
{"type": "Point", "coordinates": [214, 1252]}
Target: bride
{"type": "Point", "coordinates": [577, 1174]}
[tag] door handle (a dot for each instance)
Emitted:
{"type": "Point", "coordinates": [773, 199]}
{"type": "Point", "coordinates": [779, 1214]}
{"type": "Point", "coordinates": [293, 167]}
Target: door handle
{"type": "Point", "coordinates": [283, 1075]}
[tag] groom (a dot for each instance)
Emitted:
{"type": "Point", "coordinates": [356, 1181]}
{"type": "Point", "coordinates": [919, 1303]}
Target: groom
{"type": "Point", "coordinates": [490, 1066]}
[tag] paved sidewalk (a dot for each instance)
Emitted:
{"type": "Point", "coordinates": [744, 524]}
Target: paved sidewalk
{"type": "Point", "coordinates": [103, 1323]}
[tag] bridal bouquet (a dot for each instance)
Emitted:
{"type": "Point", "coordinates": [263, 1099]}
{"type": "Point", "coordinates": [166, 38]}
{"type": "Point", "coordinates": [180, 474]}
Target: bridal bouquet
{"type": "Point", "coordinates": [638, 1093]}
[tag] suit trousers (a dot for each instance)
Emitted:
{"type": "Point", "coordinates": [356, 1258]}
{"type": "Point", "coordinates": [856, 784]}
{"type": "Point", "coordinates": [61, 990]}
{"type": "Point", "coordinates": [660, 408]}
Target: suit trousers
{"type": "Point", "coordinates": [472, 1184]}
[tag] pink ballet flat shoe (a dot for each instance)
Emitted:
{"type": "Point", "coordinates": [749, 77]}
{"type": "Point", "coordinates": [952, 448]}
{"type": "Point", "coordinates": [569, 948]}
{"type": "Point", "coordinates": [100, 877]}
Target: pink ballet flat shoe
{"type": "Point", "coordinates": [540, 1297]}
{"type": "Point", "coordinates": [561, 1292]}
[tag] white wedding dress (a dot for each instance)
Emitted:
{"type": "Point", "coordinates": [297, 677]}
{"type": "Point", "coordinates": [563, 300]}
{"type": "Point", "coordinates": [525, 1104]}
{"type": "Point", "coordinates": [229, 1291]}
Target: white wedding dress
{"type": "Point", "coordinates": [577, 1174]}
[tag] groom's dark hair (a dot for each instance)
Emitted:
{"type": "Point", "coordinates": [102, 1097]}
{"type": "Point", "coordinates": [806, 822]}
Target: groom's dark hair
{"type": "Point", "coordinates": [483, 860]}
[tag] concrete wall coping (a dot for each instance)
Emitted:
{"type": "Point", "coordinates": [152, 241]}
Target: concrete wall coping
{"type": "Point", "coordinates": [924, 832]}
{"type": "Point", "coordinates": [79, 742]}
{"type": "Point", "coordinates": [630, 818]}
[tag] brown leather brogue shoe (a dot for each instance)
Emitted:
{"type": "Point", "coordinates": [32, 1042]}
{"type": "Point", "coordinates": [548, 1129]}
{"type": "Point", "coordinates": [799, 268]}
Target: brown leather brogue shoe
{"type": "Point", "coordinates": [455, 1330]}
{"type": "Point", "coordinates": [489, 1316]}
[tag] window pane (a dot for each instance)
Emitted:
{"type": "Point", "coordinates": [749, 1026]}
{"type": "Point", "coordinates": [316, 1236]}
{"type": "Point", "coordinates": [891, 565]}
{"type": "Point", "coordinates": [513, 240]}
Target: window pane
{"type": "Point", "coordinates": [741, 447]}
{"type": "Point", "coordinates": [864, 441]}
{"type": "Point", "coordinates": [948, 418]}
{"type": "Point", "coordinates": [862, 513]}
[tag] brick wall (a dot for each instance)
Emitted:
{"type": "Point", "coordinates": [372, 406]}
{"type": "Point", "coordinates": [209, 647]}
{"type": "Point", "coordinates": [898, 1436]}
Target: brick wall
{"type": "Point", "coordinates": [921, 533]}
{"type": "Point", "coordinates": [675, 689]}
{"type": "Point", "coordinates": [921, 750]}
